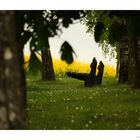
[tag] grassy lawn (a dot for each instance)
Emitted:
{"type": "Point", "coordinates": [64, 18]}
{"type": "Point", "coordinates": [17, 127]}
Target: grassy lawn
{"type": "Point", "coordinates": [66, 104]}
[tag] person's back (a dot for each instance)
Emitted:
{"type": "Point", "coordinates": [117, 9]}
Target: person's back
{"type": "Point", "coordinates": [90, 80]}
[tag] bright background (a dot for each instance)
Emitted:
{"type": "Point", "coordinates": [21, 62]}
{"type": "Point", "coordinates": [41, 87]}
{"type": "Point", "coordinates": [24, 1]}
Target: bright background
{"type": "Point", "coordinates": [82, 42]}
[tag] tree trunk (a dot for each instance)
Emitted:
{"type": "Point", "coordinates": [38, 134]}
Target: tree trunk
{"type": "Point", "coordinates": [12, 83]}
{"type": "Point", "coordinates": [131, 63]}
{"type": "Point", "coordinates": [123, 69]}
{"type": "Point", "coordinates": [134, 67]}
{"type": "Point", "coordinates": [47, 64]}
{"type": "Point", "coordinates": [117, 69]}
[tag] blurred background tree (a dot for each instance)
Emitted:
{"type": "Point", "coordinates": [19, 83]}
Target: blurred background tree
{"type": "Point", "coordinates": [12, 78]}
{"type": "Point", "coordinates": [37, 27]}
{"type": "Point", "coordinates": [114, 30]}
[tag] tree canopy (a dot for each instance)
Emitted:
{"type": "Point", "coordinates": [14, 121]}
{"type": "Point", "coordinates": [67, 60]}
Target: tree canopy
{"type": "Point", "coordinates": [109, 27]}
{"type": "Point", "coordinates": [118, 29]}
{"type": "Point", "coordinates": [37, 26]}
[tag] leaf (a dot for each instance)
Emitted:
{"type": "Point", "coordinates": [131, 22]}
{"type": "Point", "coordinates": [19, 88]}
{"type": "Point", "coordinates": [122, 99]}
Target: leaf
{"type": "Point", "coordinates": [116, 31]}
{"type": "Point", "coordinates": [35, 64]}
{"type": "Point", "coordinates": [67, 52]}
{"type": "Point", "coordinates": [98, 30]}
{"type": "Point", "coordinates": [133, 27]}
{"type": "Point", "coordinates": [33, 44]}
{"type": "Point", "coordinates": [66, 22]}
{"type": "Point", "coordinates": [26, 36]}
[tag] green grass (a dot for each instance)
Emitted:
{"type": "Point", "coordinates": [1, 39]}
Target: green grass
{"type": "Point", "coordinates": [66, 104]}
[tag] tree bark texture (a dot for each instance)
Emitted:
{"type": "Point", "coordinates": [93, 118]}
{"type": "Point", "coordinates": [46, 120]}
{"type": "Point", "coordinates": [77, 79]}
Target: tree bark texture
{"type": "Point", "coordinates": [134, 63]}
{"type": "Point", "coordinates": [47, 64]}
{"type": "Point", "coordinates": [12, 80]}
{"type": "Point", "coordinates": [123, 69]}
{"type": "Point", "coordinates": [117, 69]}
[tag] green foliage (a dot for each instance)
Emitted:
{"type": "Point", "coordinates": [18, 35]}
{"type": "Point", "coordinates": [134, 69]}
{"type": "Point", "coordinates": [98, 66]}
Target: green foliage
{"type": "Point", "coordinates": [40, 25]}
{"type": "Point", "coordinates": [116, 31]}
{"type": "Point", "coordinates": [133, 27]}
{"type": "Point", "coordinates": [98, 23]}
{"type": "Point", "coordinates": [66, 52]}
{"type": "Point", "coordinates": [117, 24]}
{"type": "Point", "coordinates": [44, 24]}
{"type": "Point", "coordinates": [98, 31]}
{"type": "Point", "coordinates": [26, 36]}
{"type": "Point", "coordinates": [35, 65]}
{"type": "Point", "coordinates": [130, 21]}
{"type": "Point", "coordinates": [33, 44]}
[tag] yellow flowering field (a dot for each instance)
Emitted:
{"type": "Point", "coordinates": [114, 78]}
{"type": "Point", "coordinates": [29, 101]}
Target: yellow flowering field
{"type": "Point", "coordinates": [61, 67]}
{"type": "Point", "coordinates": [109, 71]}
{"type": "Point", "coordinates": [26, 59]}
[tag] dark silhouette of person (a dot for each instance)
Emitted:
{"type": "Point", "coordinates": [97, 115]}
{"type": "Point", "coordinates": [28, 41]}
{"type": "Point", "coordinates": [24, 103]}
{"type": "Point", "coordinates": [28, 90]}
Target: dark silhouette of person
{"type": "Point", "coordinates": [100, 73]}
{"type": "Point", "coordinates": [91, 78]}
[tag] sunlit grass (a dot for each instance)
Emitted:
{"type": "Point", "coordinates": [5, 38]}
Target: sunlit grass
{"type": "Point", "coordinates": [67, 104]}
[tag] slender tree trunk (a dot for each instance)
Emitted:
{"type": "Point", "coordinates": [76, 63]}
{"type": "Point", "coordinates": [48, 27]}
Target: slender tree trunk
{"type": "Point", "coordinates": [47, 64]}
{"type": "Point", "coordinates": [12, 80]}
{"type": "Point", "coordinates": [118, 61]}
{"type": "Point", "coordinates": [117, 69]}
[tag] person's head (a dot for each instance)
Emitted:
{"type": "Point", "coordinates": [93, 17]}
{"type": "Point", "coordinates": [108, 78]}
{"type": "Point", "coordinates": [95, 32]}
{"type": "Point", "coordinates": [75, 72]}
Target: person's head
{"type": "Point", "coordinates": [94, 60]}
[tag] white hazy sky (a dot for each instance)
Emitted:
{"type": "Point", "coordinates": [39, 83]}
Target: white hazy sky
{"type": "Point", "coordinates": [83, 44]}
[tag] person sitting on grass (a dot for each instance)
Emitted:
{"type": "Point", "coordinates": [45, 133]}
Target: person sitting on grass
{"type": "Point", "coordinates": [91, 78]}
